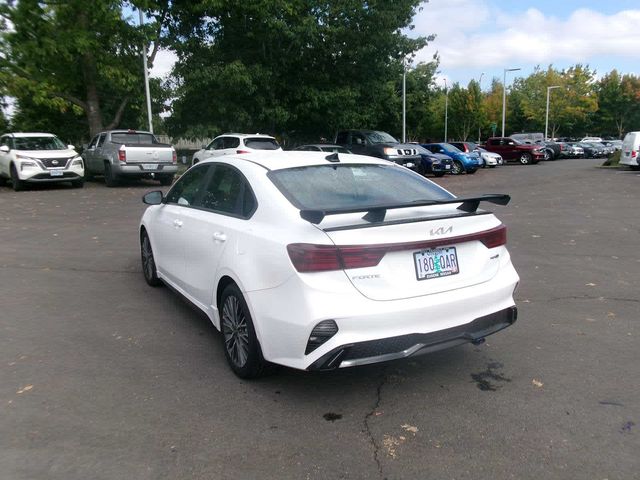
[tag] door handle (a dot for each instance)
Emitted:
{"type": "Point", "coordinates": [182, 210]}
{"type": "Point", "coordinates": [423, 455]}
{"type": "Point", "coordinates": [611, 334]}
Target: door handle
{"type": "Point", "coordinates": [219, 237]}
{"type": "Point", "coordinates": [177, 223]}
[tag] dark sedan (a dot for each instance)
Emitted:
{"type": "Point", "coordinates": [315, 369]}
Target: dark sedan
{"type": "Point", "coordinates": [434, 163]}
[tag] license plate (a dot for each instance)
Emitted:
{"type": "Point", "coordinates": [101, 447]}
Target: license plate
{"type": "Point", "coordinates": [447, 167]}
{"type": "Point", "coordinates": [149, 166]}
{"type": "Point", "coordinates": [56, 173]}
{"type": "Point", "coordinates": [436, 262]}
{"type": "Point", "coordinates": [410, 165]}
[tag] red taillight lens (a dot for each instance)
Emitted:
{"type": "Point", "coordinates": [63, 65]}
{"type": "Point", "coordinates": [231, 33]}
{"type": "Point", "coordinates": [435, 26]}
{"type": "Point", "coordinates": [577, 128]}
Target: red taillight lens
{"type": "Point", "coordinates": [242, 151]}
{"type": "Point", "coordinates": [174, 158]}
{"type": "Point", "coordinates": [314, 258]}
{"type": "Point", "coordinates": [122, 155]}
{"type": "Point", "coordinates": [307, 257]}
{"type": "Point", "coordinates": [634, 154]}
{"type": "Point", "coordinates": [494, 237]}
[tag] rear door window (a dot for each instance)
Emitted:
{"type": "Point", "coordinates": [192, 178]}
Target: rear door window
{"type": "Point", "coordinates": [230, 142]}
{"type": "Point", "coordinates": [228, 192]}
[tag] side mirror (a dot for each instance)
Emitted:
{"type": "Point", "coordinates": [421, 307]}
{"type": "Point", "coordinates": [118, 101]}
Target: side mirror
{"type": "Point", "coordinates": [4, 148]}
{"type": "Point", "coordinates": [71, 147]}
{"type": "Point", "coordinates": [153, 198]}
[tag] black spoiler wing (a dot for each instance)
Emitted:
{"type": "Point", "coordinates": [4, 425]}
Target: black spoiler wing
{"type": "Point", "coordinates": [377, 213]}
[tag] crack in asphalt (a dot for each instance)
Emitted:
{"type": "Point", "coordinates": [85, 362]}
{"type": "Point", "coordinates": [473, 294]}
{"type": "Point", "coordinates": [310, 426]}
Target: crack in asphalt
{"type": "Point", "coordinates": [69, 269]}
{"type": "Point", "coordinates": [588, 297]}
{"type": "Point", "coordinates": [367, 428]}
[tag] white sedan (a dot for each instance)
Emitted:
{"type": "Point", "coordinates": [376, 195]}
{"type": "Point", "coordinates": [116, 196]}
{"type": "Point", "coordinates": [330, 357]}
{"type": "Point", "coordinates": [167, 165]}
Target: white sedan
{"type": "Point", "coordinates": [490, 159]}
{"type": "Point", "coordinates": [318, 261]}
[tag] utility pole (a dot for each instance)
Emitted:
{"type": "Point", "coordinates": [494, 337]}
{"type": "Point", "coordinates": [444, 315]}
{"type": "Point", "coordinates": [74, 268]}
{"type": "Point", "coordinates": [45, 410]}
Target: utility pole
{"type": "Point", "coordinates": [479, 88]}
{"type": "Point", "coordinates": [146, 77]}
{"type": "Point", "coordinates": [446, 109]}
{"type": "Point", "coordinates": [404, 100]}
{"type": "Point", "coordinates": [504, 95]}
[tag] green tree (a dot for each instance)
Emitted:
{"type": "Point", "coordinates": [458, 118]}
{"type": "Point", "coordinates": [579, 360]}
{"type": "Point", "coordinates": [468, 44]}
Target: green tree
{"type": "Point", "coordinates": [288, 67]}
{"type": "Point", "coordinates": [75, 57]}
{"type": "Point", "coordinates": [421, 95]}
{"type": "Point", "coordinates": [619, 103]}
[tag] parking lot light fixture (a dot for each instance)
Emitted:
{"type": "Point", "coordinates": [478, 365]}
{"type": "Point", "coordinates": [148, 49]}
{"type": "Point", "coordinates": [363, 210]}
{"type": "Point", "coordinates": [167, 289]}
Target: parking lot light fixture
{"type": "Point", "coordinates": [479, 106]}
{"type": "Point", "coordinates": [504, 94]}
{"type": "Point", "coordinates": [446, 109]}
{"type": "Point", "coordinates": [546, 119]}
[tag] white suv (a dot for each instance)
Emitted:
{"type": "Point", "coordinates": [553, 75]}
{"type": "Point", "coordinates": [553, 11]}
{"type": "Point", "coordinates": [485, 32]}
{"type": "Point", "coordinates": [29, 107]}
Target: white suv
{"type": "Point", "coordinates": [38, 157]}
{"type": "Point", "coordinates": [235, 144]}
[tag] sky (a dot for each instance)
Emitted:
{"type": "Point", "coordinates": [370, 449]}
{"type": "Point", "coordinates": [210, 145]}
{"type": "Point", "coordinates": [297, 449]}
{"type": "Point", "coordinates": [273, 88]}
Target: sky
{"type": "Point", "coordinates": [477, 38]}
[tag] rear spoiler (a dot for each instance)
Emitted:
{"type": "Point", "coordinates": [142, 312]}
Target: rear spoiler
{"type": "Point", "coordinates": [377, 213]}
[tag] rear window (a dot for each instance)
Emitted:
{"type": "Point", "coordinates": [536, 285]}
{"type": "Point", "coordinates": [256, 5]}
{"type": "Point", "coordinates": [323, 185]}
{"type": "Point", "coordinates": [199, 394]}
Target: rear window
{"type": "Point", "coordinates": [130, 138]}
{"type": "Point", "coordinates": [325, 187]}
{"type": "Point", "coordinates": [262, 143]}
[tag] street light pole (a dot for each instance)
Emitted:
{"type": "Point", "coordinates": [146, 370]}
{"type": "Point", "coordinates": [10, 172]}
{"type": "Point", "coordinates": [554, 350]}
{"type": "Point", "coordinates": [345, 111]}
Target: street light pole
{"type": "Point", "coordinates": [404, 100]}
{"type": "Point", "coordinates": [146, 78]}
{"type": "Point", "coordinates": [479, 88]}
{"type": "Point", "coordinates": [546, 120]}
{"type": "Point", "coordinates": [446, 109]}
{"type": "Point", "coordinates": [504, 95]}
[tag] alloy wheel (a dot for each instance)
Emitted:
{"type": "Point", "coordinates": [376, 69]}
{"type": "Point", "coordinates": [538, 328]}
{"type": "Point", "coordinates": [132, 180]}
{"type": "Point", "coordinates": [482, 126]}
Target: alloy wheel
{"type": "Point", "coordinates": [235, 331]}
{"type": "Point", "coordinates": [148, 263]}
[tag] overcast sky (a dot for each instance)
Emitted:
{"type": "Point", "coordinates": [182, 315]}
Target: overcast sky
{"type": "Point", "coordinates": [476, 36]}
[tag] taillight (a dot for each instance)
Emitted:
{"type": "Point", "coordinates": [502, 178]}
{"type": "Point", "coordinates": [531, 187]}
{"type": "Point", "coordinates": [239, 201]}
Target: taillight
{"type": "Point", "coordinates": [122, 155]}
{"type": "Point", "coordinates": [242, 151]}
{"type": "Point", "coordinates": [633, 154]}
{"type": "Point", "coordinates": [307, 257]}
{"type": "Point", "coordinates": [174, 157]}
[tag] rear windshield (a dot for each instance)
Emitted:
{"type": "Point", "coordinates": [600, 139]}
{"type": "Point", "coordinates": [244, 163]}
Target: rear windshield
{"type": "Point", "coordinates": [38, 143]}
{"type": "Point", "coordinates": [262, 143]}
{"type": "Point", "coordinates": [130, 138]}
{"type": "Point", "coordinates": [325, 187]}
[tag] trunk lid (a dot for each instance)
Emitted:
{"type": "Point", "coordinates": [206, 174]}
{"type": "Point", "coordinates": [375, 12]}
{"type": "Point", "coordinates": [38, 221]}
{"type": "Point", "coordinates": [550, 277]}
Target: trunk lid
{"type": "Point", "coordinates": [420, 257]}
{"type": "Point", "coordinates": [148, 153]}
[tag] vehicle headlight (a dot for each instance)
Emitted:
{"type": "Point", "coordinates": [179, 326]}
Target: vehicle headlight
{"type": "Point", "coordinates": [77, 161]}
{"type": "Point", "coordinates": [28, 164]}
{"type": "Point", "coordinates": [23, 157]}
{"type": "Point", "coordinates": [390, 151]}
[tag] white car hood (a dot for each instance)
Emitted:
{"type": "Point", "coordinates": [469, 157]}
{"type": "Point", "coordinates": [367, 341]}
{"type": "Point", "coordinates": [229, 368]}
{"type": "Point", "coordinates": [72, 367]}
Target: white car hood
{"type": "Point", "coordinates": [67, 153]}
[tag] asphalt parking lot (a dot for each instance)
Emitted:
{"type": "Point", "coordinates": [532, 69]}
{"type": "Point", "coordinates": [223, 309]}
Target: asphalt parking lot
{"type": "Point", "coordinates": [103, 377]}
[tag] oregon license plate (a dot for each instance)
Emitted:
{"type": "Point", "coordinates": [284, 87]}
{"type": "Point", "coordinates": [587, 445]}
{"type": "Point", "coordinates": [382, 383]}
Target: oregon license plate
{"type": "Point", "coordinates": [436, 262]}
{"type": "Point", "coordinates": [149, 166]}
{"type": "Point", "coordinates": [56, 173]}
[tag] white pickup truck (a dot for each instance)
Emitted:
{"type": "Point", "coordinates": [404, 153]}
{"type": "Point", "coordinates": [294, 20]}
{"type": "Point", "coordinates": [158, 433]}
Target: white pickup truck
{"type": "Point", "coordinates": [117, 154]}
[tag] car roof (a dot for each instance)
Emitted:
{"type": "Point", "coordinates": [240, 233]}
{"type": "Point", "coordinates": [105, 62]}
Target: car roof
{"type": "Point", "coordinates": [245, 135]}
{"type": "Point", "coordinates": [278, 160]}
{"type": "Point", "coordinates": [30, 134]}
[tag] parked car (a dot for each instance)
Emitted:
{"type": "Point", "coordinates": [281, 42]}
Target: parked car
{"type": "Point", "coordinates": [616, 144]}
{"type": "Point", "coordinates": [511, 149]}
{"type": "Point", "coordinates": [572, 150]}
{"type": "Point", "coordinates": [235, 143]}
{"type": "Point", "coordinates": [591, 139]}
{"type": "Point", "coordinates": [322, 147]}
{"type": "Point", "coordinates": [462, 162]}
{"type": "Point", "coordinates": [593, 149]}
{"type": "Point", "coordinates": [38, 158]}
{"type": "Point", "coordinates": [530, 137]}
{"type": "Point", "coordinates": [119, 154]}
{"type": "Point", "coordinates": [486, 158]}
{"type": "Point", "coordinates": [319, 262]}
{"type": "Point", "coordinates": [379, 144]}
{"type": "Point", "coordinates": [435, 163]}
{"type": "Point", "coordinates": [631, 150]}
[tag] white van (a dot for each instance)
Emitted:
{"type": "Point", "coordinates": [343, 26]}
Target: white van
{"type": "Point", "coordinates": [630, 154]}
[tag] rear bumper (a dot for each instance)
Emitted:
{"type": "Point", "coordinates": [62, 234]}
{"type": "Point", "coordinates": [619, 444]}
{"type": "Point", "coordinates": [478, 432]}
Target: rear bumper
{"type": "Point", "coordinates": [138, 170]}
{"type": "Point", "coordinates": [393, 348]}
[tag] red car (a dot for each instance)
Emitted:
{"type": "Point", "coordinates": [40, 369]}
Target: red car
{"type": "Point", "coordinates": [514, 150]}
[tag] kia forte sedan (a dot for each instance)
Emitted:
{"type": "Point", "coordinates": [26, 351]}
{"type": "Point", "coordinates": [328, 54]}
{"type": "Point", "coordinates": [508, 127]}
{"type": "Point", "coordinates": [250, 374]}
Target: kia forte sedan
{"type": "Point", "coordinates": [321, 261]}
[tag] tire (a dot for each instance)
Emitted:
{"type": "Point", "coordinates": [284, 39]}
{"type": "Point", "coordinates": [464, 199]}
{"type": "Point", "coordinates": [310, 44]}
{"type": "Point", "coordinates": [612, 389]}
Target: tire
{"type": "Point", "coordinates": [525, 158]}
{"type": "Point", "coordinates": [241, 347]}
{"type": "Point", "coordinates": [3, 181]}
{"type": "Point", "coordinates": [110, 179]}
{"type": "Point", "coordinates": [18, 185]}
{"type": "Point", "coordinates": [439, 174]}
{"type": "Point", "coordinates": [149, 269]}
{"type": "Point", "coordinates": [78, 183]}
{"type": "Point", "coordinates": [472, 171]}
{"type": "Point", "coordinates": [548, 155]}
{"type": "Point", "coordinates": [635, 168]}
{"type": "Point", "coordinates": [88, 176]}
{"type": "Point", "coordinates": [457, 168]}
{"type": "Point", "coordinates": [166, 179]}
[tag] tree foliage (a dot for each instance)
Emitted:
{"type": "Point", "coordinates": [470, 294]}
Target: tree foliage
{"type": "Point", "coordinates": [290, 67]}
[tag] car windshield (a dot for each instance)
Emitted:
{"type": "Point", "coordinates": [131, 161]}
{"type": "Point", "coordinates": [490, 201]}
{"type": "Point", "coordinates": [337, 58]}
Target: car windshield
{"type": "Point", "coordinates": [129, 138]}
{"type": "Point", "coordinates": [261, 143]}
{"type": "Point", "coordinates": [450, 148]}
{"type": "Point", "coordinates": [380, 137]}
{"type": "Point", "coordinates": [38, 143]}
{"type": "Point", "coordinates": [326, 187]}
